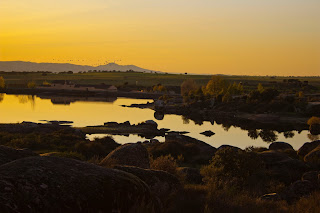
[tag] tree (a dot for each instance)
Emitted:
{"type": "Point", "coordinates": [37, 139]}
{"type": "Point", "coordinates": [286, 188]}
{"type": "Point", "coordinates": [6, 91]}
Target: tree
{"type": "Point", "coordinates": [260, 88]}
{"type": "Point", "coordinates": [226, 98]}
{"type": "Point", "coordinates": [188, 86]}
{"type": "Point", "coordinates": [2, 82]}
{"type": "Point", "coordinates": [217, 85]}
{"type": "Point", "coordinates": [31, 85]}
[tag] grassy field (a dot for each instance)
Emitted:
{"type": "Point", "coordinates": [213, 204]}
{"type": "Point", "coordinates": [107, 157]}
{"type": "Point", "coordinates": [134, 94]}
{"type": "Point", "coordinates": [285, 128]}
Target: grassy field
{"type": "Point", "coordinates": [142, 79]}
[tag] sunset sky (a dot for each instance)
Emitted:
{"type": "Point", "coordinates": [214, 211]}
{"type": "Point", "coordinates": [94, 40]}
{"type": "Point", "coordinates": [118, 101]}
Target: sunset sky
{"type": "Point", "coordinates": [243, 37]}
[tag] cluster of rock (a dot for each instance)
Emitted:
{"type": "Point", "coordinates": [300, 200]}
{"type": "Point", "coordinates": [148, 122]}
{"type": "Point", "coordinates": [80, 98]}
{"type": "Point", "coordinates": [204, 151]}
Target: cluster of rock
{"type": "Point", "coordinates": [304, 174]}
{"type": "Point", "coordinates": [147, 124]}
{"type": "Point", "coordinates": [124, 182]}
{"type": "Point", "coordinates": [32, 183]}
{"type": "Point", "coordinates": [39, 128]}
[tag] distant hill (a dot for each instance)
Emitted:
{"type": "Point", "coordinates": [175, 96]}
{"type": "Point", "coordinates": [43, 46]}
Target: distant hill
{"type": "Point", "coordinates": [20, 66]}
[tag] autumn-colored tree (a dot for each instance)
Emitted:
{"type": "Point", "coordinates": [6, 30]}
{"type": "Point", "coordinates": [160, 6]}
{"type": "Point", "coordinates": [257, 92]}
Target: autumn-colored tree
{"type": "Point", "coordinates": [216, 85]}
{"type": "Point", "coordinates": [31, 85]}
{"type": "Point", "coordinates": [188, 86]}
{"type": "Point", "coordinates": [260, 88]}
{"type": "Point", "coordinates": [2, 82]}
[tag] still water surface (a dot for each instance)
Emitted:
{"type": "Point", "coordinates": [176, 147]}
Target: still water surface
{"type": "Point", "coordinates": [84, 112]}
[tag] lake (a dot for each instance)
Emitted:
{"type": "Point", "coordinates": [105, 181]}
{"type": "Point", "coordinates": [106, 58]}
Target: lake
{"type": "Point", "coordinates": [96, 111]}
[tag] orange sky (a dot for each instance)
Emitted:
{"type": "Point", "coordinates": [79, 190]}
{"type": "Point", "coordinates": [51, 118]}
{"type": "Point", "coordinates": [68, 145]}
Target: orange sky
{"type": "Point", "coordinates": [265, 37]}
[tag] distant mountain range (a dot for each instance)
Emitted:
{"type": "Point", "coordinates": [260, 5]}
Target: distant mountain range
{"type": "Point", "coordinates": [20, 66]}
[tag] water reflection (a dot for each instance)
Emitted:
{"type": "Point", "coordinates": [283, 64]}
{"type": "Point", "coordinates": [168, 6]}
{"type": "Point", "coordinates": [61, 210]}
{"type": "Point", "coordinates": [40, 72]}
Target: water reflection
{"type": "Point", "coordinates": [65, 100]}
{"type": "Point", "coordinates": [313, 137]}
{"type": "Point", "coordinates": [1, 97]}
{"type": "Point", "coordinates": [159, 116]}
{"type": "Point", "coordinates": [288, 134]}
{"type": "Point", "coordinates": [185, 120]}
{"type": "Point", "coordinates": [96, 111]}
{"type": "Point", "coordinates": [24, 99]}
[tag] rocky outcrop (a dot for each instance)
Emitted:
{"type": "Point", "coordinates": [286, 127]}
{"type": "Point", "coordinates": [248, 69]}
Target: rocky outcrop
{"type": "Point", "coordinates": [192, 150]}
{"type": "Point", "coordinates": [280, 146]}
{"type": "Point", "coordinates": [313, 157]}
{"type": "Point", "coordinates": [51, 184]}
{"type": "Point", "coordinates": [314, 129]}
{"type": "Point", "coordinates": [229, 147]}
{"type": "Point", "coordinates": [299, 189]}
{"type": "Point", "coordinates": [313, 177]}
{"type": "Point", "coordinates": [162, 184]}
{"type": "Point", "coordinates": [283, 167]}
{"type": "Point", "coordinates": [308, 147]}
{"type": "Point", "coordinates": [191, 175]}
{"type": "Point", "coordinates": [129, 155]}
{"type": "Point", "coordinates": [8, 154]}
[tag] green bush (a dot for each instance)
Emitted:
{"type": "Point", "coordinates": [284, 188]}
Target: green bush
{"type": "Point", "coordinates": [233, 167]}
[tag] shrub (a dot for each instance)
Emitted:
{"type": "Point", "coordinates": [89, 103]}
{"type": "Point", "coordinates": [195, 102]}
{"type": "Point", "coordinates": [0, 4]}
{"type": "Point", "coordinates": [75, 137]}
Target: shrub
{"type": "Point", "coordinates": [165, 163]}
{"type": "Point", "coordinates": [228, 201]}
{"type": "Point", "coordinates": [31, 85]}
{"type": "Point", "coordinates": [233, 167]}
{"type": "Point", "coordinates": [188, 86]}
{"type": "Point", "coordinates": [313, 120]}
{"type": "Point", "coordinates": [2, 82]}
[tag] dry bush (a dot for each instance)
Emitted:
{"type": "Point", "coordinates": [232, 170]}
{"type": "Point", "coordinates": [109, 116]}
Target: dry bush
{"type": "Point", "coordinates": [313, 120]}
{"type": "Point", "coordinates": [229, 201]}
{"type": "Point", "coordinates": [309, 204]}
{"type": "Point", "coordinates": [165, 163]}
{"type": "Point", "coordinates": [191, 198]}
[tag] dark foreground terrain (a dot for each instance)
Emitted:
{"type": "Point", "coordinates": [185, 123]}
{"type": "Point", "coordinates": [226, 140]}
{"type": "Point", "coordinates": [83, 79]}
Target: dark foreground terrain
{"type": "Point", "coordinates": [54, 168]}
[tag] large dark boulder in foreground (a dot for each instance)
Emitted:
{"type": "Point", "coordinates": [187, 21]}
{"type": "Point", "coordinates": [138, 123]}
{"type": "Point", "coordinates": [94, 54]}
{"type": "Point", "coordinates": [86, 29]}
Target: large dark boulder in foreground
{"type": "Point", "coordinates": [129, 155]}
{"type": "Point", "coordinates": [313, 177]}
{"type": "Point", "coordinates": [193, 151]}
{"type": "Point", "coordinates": [51, 184]}
{"type": "Point", "coordinates": [314, 129]}
{"type": "Point", "coordinates": [8, 154]}
{"type": "Point", "coordinates": [162, 184]}
{"type": "Point", "coordinates": [191, 175]}
{"type": "Point", "coordinates": [283, 167]}
{"type": "Point", "coordinates": [280, 146]}
{"type": "Point", "coordinates": [225, 146]}
{"type": "Point", "coordinates": [313, 157]}
{"type": "Point", "coordinates": [298, 189]}
{"type": "Point", "coordinates": [308, 147]}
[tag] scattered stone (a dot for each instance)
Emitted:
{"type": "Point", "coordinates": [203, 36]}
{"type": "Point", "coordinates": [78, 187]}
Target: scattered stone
{"type": "Point", "coordinates": [129, 155]}
{"type": "Point", "coordinates": [312, 176]}
{"type": "Point", "coordinates": [314, 129]}
{"type": "Point", "coordinates": [154, 141]}
{"type": "Point", "coordinates": [162, 184]}
{"type": "Point", "coordinates": [229, 146]}
{"type": "Point", "coordinates": [111, 124]}
{"type": "Point", "coordinates": [151, 123]}
{"type": "Point", "coordinates": [300, 189]}
{"type": "Point", "coordinates": [280, 146]}
{"type": "Point", "coordinates": [208, 133]}
{"type": "Point", "coordinates": [313, 157]}
{"type": "Point", "coordinates": [308, 147]}
{"type": "Point", "coordinates": [283, 167]}
{"type": "Point", "coordinates": [193, 150]}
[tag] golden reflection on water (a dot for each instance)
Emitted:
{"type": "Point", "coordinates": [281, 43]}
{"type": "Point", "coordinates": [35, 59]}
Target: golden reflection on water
{"type": "Point", "coordinates": [85, 112]}
{"type": "Point", "coordinates": [18, 108]}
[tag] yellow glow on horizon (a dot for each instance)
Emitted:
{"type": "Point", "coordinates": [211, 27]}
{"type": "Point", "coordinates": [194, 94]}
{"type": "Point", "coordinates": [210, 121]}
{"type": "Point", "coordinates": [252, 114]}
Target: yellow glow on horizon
{"type": "Point", "coordinates": [229, 37]}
